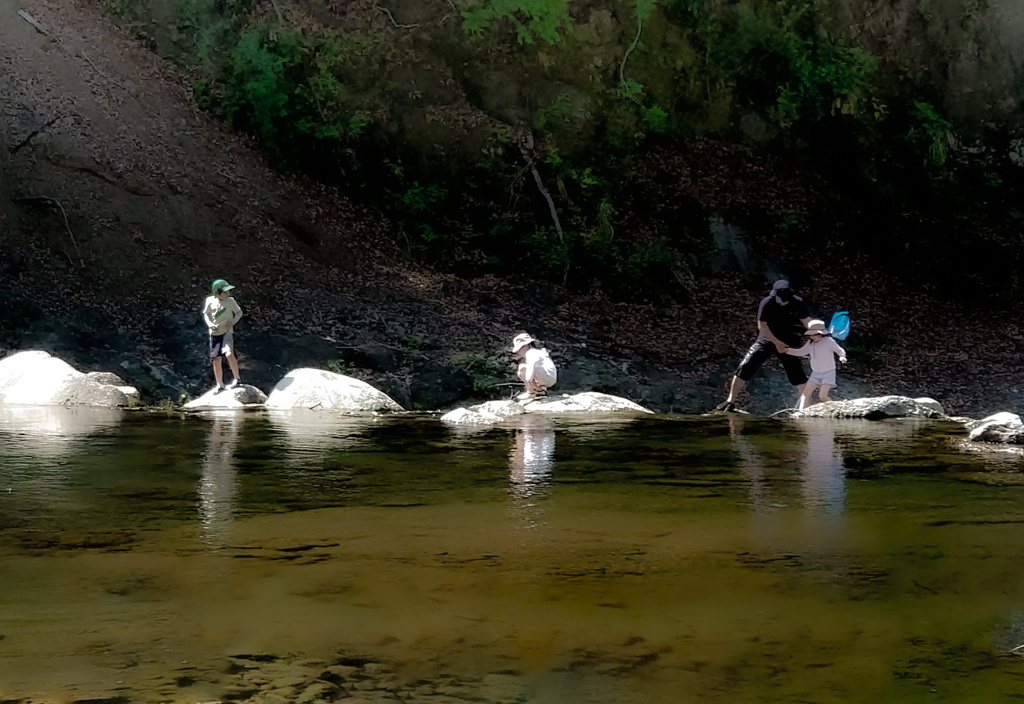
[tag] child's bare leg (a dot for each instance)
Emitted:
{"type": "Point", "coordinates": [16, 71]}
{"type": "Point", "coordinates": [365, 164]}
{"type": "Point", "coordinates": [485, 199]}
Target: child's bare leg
{"type": "Point", "coordinates": [805, 397]}
{"type": "Point", "coordinates": [823, 393]}
{"type": "Point", "coordinates": [233, 363]}
{"type": "Point", "coordinates": [218, 370]}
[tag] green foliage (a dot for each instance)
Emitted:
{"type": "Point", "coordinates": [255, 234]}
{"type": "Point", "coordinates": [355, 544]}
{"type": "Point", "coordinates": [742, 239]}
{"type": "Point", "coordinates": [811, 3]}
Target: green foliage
{"type": "Point", "coordinates": [558, 112]}
{"type": "Point", "coordinates": [782, 67]}
{"type": "Point", "coordinates": [258, 95]}
{"type": "Point", "coordinates": [931, 135]}
{"type": "Point", "coordinates": [403, 121]}
{"type": "Point", "coordinates": [487, 373]}
{"type": "Point", "coordinates": [340, 366]}
{"type": "Point", "coordinates": [547, 20]}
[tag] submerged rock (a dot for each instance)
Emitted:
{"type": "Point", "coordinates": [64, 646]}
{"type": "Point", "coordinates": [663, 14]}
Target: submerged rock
{"type": "Point", "coordinates": [875, 408]}
{"type": "Point", "coordinates": [36, 378]}
{"type": "Point", "coordinates": [316, 389]}
{"type": "Point", "coordinates": [243, 397]}
{"type": "Point", "coordinates": [585, 402]}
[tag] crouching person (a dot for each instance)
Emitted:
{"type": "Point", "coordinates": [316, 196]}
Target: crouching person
{"type": "Point", "coordinates": [536, 368]}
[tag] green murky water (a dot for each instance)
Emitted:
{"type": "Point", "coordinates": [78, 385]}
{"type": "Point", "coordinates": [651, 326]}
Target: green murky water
{"type": "Point", "coordinates": [313, 558]}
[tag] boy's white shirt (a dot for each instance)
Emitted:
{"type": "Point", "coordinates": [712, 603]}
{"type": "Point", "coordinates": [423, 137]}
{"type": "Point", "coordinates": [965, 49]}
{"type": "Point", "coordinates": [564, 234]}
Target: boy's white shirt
{"type": "Point", "coordinates": [822, 353]}
{"type": "Point", "coordinates": [221, 316]}
{"type": "Point", "coordinates": [540, 367]}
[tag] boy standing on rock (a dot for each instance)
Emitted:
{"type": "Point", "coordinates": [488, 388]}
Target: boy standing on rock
{"type": "Point", "coordinates": [220, 313]}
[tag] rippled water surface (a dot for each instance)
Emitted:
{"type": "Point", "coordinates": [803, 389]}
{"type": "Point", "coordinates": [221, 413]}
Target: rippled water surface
{"type": "Point", "coordinates": [311, 557]}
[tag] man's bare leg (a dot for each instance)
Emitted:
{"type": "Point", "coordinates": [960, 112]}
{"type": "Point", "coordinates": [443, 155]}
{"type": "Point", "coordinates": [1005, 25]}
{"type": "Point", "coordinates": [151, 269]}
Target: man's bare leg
{"type": "Point", "coordinates": [734, 389]}
{"type": "Point", "coordinates": [218, 371]}
{"type": "Point", "coordinates": [823, 393]}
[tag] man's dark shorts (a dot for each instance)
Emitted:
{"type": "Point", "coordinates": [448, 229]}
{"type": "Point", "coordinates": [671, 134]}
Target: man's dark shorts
{"type": "Point", "coordinates": [221, 345]}
{"type": "Point", "coordinates": [760, 352]}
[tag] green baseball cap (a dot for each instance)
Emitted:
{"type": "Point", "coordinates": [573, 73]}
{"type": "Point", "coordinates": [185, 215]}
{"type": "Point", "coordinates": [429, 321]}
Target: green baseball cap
{"type": "Point", "coordinates": [220, 285]}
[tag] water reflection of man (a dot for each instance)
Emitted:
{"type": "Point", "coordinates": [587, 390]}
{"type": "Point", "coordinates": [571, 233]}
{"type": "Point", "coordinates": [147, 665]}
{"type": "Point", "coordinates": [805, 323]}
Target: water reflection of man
{"type": "Point", "coordinates": [217, 487]}
{"type": "Point", "coordinates": [818, 469]}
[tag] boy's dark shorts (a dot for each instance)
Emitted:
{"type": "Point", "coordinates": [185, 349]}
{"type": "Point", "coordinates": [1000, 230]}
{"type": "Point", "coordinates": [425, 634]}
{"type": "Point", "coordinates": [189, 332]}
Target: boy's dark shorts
{"type": "Point", "coordinates": [221, 345]}
{"type": "Point", "coordinates": [760, 352]}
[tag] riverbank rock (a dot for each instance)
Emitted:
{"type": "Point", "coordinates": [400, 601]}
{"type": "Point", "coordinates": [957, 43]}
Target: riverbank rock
{"type": "Point", "coordinates": [581, 403]}
{"type": "Point", "coordinates": [316, 389]}
{"type": "Point", "coordinates": [36, 378]}
{"type": "Point", "coordinates": [875, 408]}
{"type": "Point", "coordinates": [242, 397]}
{"type": "Point", "coordinates": [1005, 427]}
{"type": "Point", "coordinates": [484, 413]}
{"type": "Point", "coordinates": [585, 402]}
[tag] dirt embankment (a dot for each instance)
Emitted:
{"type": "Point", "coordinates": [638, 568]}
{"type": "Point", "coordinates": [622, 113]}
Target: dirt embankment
{"type": "Point", "coordinates": [120, 202]}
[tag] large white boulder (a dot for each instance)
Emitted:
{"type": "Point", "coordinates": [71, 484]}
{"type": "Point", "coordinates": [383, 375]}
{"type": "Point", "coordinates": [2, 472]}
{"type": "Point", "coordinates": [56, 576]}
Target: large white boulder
{"type": "Point", "coordinates": [874, 408]}
{"type": "Point", "coordinates": [316, 389]}
{"type": "Point", "coordinates": [36, 378]}
{"type": "Point", "coordinates": [587, 402]}
{"type": "Point", "coordinates": [1004, 427]}
{"type": "Point", "coordinates": [242, 397]}
{"type": "Point", "coordinates": [484, 413]}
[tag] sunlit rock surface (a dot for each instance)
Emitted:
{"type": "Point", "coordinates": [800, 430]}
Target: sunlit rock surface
{"type": "Point", "coordinates": [36, 378]}
{"type": "Point", "coordinates": [484, 413]}
{"type": "Point", "coordinates": [316, 389]}
{"type": "Point", "coordinates": [1002, 427]}
{"type": "Point", "coordinates": [581, 403]}
{"type": "Point", "coordinates": [585, 402]}
{"type": "Point", "coordinates": [242, 397]}
{"type": "Point", "coordinates": [875, 408]}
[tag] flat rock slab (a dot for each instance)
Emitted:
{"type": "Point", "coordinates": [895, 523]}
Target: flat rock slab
{"type": "Point", "coordinates": [36, 378]}
{"type": "Point", "coordinates": [241, 398]}
{"type": "Point", "coordinates": [587, 402]}
{"type": "Point", "coordinates": [875, 408]}
{"type": "Point", "coordinates": [316, 389]}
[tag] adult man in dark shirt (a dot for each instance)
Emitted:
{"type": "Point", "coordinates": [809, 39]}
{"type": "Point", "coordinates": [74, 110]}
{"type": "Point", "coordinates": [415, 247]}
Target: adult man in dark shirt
{"type": "Point", "coordinates": [782, 318]}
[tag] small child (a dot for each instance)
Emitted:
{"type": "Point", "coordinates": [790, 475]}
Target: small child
{"type": "Point", "coordinates": [821, 348]}
{"type": "Point", "coordinates": [220, 313]}
{"type": "Point", "coordinates": [536, 370]}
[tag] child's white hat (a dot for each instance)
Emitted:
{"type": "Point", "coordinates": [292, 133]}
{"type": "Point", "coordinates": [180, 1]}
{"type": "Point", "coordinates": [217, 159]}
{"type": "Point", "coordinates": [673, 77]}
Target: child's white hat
{"type": "Point", "coordinates": [520, 341]}
{"type": "Point", "coordinates": [816, 327]}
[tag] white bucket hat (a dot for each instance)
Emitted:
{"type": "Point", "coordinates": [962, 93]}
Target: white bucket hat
{"type": "Point", "coordinates": [520, 341]}
{"type": "Point", "coordinates": [816, 327]}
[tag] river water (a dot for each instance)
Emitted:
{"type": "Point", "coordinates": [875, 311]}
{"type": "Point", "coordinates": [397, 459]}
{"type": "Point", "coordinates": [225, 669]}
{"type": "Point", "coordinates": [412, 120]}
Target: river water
{"type": "Point", "coordinates": [312, 557]}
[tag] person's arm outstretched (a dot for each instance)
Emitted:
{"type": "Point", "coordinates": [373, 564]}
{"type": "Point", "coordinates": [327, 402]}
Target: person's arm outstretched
{"type": "Point", "coordinates": [803, 350]}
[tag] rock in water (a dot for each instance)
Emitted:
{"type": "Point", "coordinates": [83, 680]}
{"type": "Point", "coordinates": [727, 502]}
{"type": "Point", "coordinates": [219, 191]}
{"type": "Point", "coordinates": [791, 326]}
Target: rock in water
{"type": "Point", "coordinates": [36, 378]}
{"type": "Point", "coordinates": [873, 408]}
{"type": "Point", "coordinates": [242, 397]}
{"type": "Point", "coordinates": [317, 389]}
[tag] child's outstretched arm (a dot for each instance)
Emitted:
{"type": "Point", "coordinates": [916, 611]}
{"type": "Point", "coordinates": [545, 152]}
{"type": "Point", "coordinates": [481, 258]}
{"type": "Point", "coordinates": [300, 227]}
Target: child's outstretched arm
{"type": "Point", "coordinates": [802, 351]}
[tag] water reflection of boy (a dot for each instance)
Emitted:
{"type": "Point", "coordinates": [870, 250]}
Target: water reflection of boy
{"type": "Point", "coordinates": [781, 319]}
{"type": "Point", "coordinates": [217, 487]}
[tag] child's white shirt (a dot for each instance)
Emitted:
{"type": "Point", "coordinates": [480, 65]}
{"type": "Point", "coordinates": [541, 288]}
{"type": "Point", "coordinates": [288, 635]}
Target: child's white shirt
{"type": "Point", "coordinates": [220, 316]}
{"type": "Point", "coordinates": [540, 367]}
{"type": "Point", "coordinates": [822, 353]}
